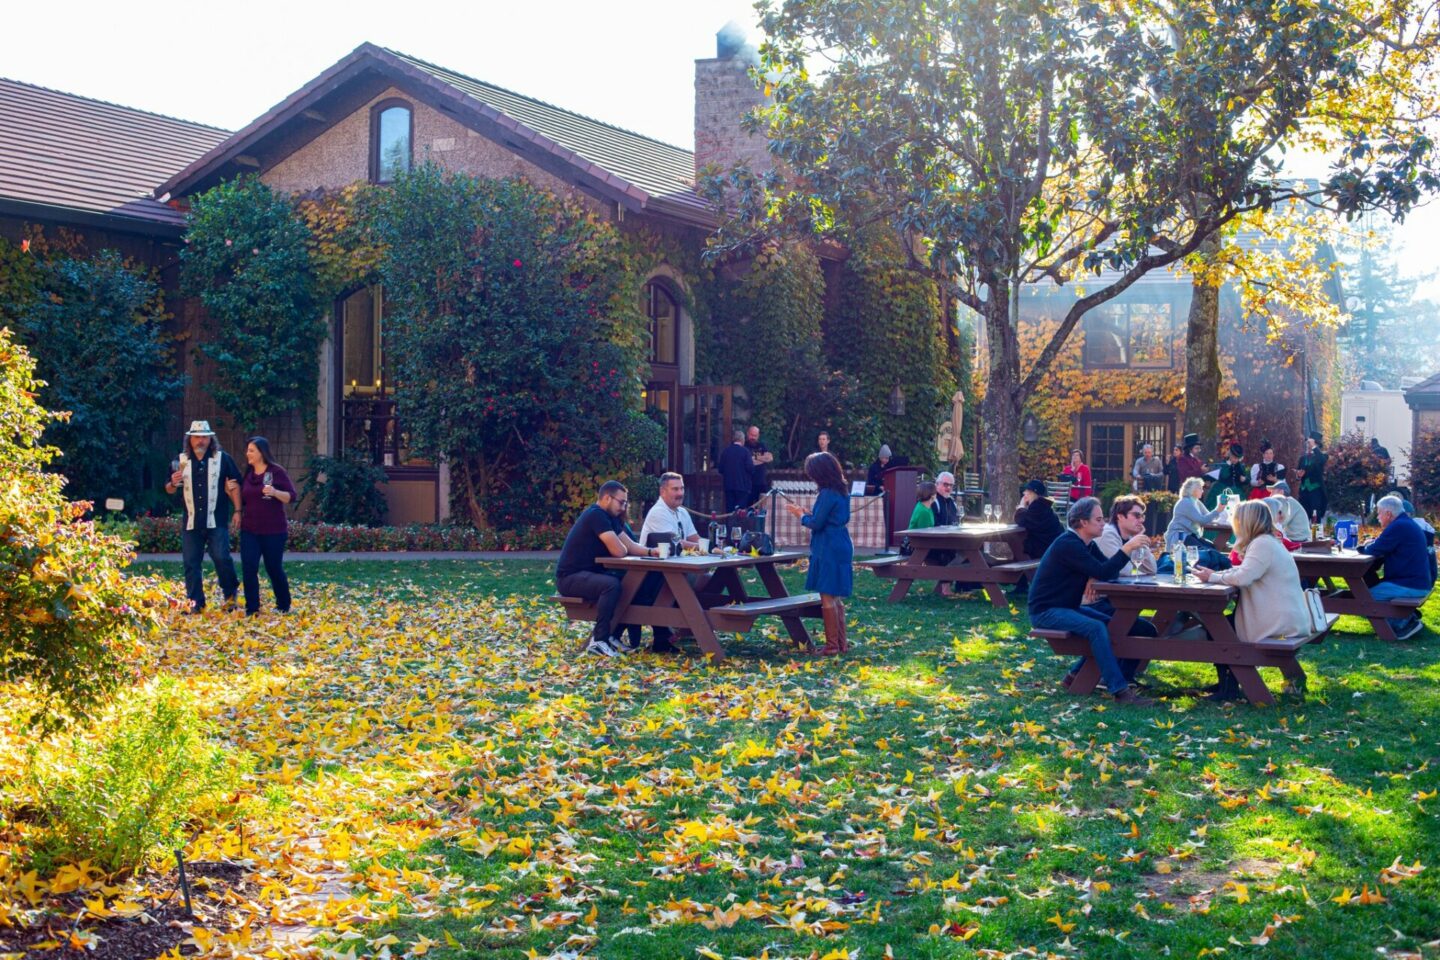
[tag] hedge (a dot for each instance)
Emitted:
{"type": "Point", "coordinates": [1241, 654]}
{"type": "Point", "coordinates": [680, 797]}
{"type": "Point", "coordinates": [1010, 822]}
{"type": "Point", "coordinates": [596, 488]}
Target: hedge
{"type": "Point", "coordinates": [162, 535]}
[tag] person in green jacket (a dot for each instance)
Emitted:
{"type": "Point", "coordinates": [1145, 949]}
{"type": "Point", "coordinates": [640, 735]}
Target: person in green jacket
{"type": "Point", "coordinates": [923, 516]}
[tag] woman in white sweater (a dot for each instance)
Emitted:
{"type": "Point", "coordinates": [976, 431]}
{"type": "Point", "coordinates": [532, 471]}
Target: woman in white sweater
{"type": "Point", "coordinates": [1272, 603]}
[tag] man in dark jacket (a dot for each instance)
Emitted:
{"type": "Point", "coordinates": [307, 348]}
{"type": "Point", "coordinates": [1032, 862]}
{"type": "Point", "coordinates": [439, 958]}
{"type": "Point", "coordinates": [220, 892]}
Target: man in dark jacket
{"type": "Point", "coordinates": [1057, 597]}
{"type": "Point", "coordinates": [1036, 514]}
{"type": "Point", "coordinates": [737, 471]}
{"type": "Point", "coordinates": [1405, 560]}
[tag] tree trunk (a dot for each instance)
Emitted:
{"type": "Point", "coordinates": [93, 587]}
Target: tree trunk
{"type": "Point", "coordinates": [1003, 402]}
{"type": "Point", "coordinates": [1202, 354]}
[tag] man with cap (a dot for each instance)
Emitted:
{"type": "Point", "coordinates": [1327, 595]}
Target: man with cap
{"type": "Point", "coordinates": [1190, 464]}
{"type": "Point", "coordinates": [1311, 473]}
{"type": "Point", "coordinates": [209, 482]}
{"type": "Point", "coordinates": [1297, 523]}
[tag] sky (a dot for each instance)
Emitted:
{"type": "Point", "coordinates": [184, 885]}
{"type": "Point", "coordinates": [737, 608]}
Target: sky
{"type": "Point", "coordinates": [630, 63]}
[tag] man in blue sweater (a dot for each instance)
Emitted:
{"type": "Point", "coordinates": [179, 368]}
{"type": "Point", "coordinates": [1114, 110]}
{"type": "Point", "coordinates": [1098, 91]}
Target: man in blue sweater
{"type": "Point", "coordinates": [1403, 557]}
{"type": "Point", "coordinates": [1057, 595]}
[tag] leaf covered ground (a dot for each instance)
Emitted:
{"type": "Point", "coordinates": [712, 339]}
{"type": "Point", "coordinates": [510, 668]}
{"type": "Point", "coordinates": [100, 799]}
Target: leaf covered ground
{"type": "Point", "coordinates": [434, 771]}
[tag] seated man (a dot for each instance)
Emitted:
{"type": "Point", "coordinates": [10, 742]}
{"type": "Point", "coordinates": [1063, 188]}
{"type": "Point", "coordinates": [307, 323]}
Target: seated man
{"type": "Point", "coordinates": [667, 520]}
{"type": "Point", "coordinates": [1058, 593]}
{"type": "Point", "coordinates": [1295, 525]}
{"type": "Point", "coordinates": [1404, 559]}
{"type": "Point", "coordinates": [946, 514]}
{"type": "Point", "coordinates": [1127, 520]}
{"type": "Point", "coordinates": [598, 532]}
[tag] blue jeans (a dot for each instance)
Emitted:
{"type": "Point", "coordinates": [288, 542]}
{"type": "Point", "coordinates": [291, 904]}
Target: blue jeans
{"type": "Point", "coordinates": [1385, 590]}
{"type": "Point", "coordinates": [1093, 626]}
{"type": "Point", "coordinates": [194, 544]}
{"type": "Point", "coordinates": [270, 547]}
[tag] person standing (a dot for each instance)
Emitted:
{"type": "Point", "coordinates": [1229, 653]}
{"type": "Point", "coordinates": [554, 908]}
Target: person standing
{"type": "Point", "coordinates": [598, 532]}
{"type": "Point", "coordinates": [822, 442]}
{"type": "Point", "coordinates": [1266, 473]}
{"type": "Point", "coordinates": [1384, 456]}
{"type": "Point", "coordinates": [874, 477]}
{"type": "Point", "coordinates": [1081, 485]}
{"type": "Point", "coordinates": [265, 491]}
{"type": "Point", "coordinates": [209, 482]}
{"type": "Point", "coordinates": [1148, 471]}
{"type": "Point", "coordinates": [831, 572]}
{"type": "Point", "coordinates": [1229, 476]}
{"type": "Point", "coordinates": [760, 459]}
{"type": "Point", "coordinates": [1311, 473]}
{"type": "Point", "coordinates": [737, 470]}
{"type": "Point", "coordinates": [1190, 464]}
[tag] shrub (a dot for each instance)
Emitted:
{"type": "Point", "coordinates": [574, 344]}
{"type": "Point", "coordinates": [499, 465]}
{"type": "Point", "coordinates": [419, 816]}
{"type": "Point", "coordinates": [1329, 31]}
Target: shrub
{"type": "Point", "coordinates": [1424, 456]}
{"type": "Point", "coordinates": [124, 790]}
{"type": "Point", "coordinates": [70, 619]}
{"type": "Point", "coordinates": [1353, 475]}
{"type": "Point", "coordinates": [93, 327]}
{"type": "Point", "coordinates": [162, 535]}
{"type": "Point", "coordinates": [345, 490]}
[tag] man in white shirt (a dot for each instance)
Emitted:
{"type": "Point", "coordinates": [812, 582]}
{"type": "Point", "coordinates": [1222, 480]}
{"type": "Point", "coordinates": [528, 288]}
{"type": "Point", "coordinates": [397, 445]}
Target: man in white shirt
{"type": "Point", "coordinates": [668, 516]}
{"type": "Point", "coordinates": [1127, 520]}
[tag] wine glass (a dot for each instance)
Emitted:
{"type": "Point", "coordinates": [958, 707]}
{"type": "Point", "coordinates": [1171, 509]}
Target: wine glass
{"type": "Point", "coordinates": [268, 479]}
{"type": "Point", "coordinates": [1192, 557]}
{"type": "Point", "coordinates": [986, 510]}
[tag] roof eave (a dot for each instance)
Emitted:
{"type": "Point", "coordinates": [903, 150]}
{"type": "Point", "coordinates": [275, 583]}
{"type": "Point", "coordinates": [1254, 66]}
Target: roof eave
{"type": "Point", "coordinates": [119, 222]}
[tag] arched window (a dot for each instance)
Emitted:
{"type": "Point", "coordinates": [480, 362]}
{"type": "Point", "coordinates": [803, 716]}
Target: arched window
{"type": "Point", "coordinates": [664, 315]}
{"type": "Point", "coordinates": [391, 134]}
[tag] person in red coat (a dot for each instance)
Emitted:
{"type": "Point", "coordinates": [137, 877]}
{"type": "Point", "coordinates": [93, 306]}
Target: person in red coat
{"type": "Point", "coordinates": [1078, 474]}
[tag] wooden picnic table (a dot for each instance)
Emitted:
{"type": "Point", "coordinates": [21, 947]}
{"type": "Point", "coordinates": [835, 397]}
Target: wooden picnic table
{"type": "Point", "coordinates": [1220, 534]}
{"type": "Point", "coordinates": [722, 602]}
{"type": "Point", "coordinates": [968, 542]}
{"type": "Point", "coordinates": [1207, 602]}
{"type": "Point", "coordinates": [1357, 570]}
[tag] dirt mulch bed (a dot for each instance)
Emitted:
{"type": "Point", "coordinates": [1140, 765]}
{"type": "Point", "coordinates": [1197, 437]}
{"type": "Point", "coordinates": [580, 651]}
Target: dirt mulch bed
{"type": "Point", "coordinates": [216, 889]}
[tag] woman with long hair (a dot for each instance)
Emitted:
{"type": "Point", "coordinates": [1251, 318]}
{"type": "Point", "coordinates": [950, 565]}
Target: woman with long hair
{"type": "Point", "coordinates": [265, 490]}
{"type": "Point", "coordinates": [1272, 603]}
{"type": "Point", "coordinates": [831, 552]}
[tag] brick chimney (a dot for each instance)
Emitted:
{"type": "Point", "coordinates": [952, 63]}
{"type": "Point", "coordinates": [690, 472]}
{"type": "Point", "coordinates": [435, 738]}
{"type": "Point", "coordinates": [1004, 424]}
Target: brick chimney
{"type": "Point", "coordinates": [724, 93]}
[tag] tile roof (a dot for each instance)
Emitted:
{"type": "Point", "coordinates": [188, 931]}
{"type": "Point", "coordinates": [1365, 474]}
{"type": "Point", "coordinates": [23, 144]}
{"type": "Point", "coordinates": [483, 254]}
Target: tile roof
{"type": "Point", "coordinates": [661, 170]}
{"type": "Point", "coordinates": [62, 150]}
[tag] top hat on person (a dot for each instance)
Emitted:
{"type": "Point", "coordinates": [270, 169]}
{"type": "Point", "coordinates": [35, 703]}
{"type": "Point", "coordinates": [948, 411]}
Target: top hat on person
{"type": "Point", "coordinates": [1237, 451]}
{"type": "Point", "coordinates": [1265, 445]}
{"type": "Point", "coordinates": [1315, 435]}
{"type": "Point", "coordinates": [1036, 487]}
{"type": "Point", "coordinates": [199, 428]}
{"type": "Point", "coordinates": [1191, 441]}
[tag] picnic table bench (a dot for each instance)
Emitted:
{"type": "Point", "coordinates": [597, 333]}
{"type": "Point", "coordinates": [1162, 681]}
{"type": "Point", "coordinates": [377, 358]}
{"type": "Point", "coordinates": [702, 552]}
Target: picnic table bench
{"type": "Point", "coordinates": [967, 541]}
{"type": "Point", "coordinates": [1357, 570]}
{"type": "Point", "coordinates": [1207, 602]}
{"type": "Point", "coordinates": [722, 603]}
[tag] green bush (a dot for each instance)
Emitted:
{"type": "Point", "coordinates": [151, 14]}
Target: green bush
{"type": "Point", "coordinates": [345, 490]}
{"type": "Point", "coordinates": [70, 619]}
{"type": "Point", "coordinates": [123, 792]}
{"type": "Point", "coordinates": [1424, 456]}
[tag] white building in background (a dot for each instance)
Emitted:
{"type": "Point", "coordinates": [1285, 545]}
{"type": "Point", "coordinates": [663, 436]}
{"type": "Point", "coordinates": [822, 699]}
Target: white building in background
{"type": "Point", "coordinates": [1374, 411]}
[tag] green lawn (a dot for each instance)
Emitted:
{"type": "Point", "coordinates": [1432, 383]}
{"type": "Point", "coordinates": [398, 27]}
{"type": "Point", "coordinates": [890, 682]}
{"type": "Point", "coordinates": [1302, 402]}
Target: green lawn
{"type": "Point", "coordinates": [933, 794]}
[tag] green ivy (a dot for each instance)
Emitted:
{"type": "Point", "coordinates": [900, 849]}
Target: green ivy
{"type": "Point", "coordinates": [345, 490]}
{"type": "Point", "coordinates": [886, 331]}
{"type": "Point", "coordinates": [94, 327]}
{"type": "Point", "coordinates": [248, 261]}
{"type": "Point", "coordinates": [518, 340]}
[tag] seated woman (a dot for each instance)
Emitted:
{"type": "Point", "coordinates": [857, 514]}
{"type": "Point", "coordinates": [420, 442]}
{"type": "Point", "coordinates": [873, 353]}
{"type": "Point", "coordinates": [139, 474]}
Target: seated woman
{"type": "Point", "coordinates": [1279, 514]}
{"type": "Point", "coordinates": [1271, 604]}
{"type": "Point", "coordinates": [1187, 524]}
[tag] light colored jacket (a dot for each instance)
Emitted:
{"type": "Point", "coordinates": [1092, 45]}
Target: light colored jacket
{"type": "Point", "coordinates": [1110, 543]}
{"type": "Point", "coordinates": [1272, 603]}
{"type": "Point", "coordinates": [1190, 516]}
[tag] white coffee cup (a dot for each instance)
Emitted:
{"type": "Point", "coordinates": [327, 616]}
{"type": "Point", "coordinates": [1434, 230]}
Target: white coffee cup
{"type": "Point", "coordinates": [663, 551]}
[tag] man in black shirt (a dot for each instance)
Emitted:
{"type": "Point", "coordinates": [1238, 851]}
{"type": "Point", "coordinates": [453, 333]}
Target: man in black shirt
{"type": "Point", "coordinates": [1057, 596]}
{"type": "Point", "coordinates": [737, 472]}
{"type": "Point", "coordinates": [760, 457]}
{"type": "Point", "coordinates": [599, 532]}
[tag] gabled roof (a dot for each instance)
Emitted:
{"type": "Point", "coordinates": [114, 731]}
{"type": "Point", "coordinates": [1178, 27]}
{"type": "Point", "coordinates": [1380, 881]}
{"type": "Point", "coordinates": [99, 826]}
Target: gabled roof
{"type": "Point", "coordinates": [640, 172]}
{"type": "Point", "coordinates": [63, 151]}
{"type": "Point", "coordinates": [1429, 388]}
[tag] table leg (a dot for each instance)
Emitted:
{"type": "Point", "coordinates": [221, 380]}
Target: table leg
{"type": "Point", "coordinates": [794, 626]}
{"type": "Point", "coordinates": [695, 616]}
{"type": "Point", "coordinates": [727, 581]}
{"type": "Point", "coordinates": [902, 585]}
{"type": "Point", "coordinates": [975, 559]}
{"type": "Point", "coordinates": [1360, 590]}
{"type": "Point", "coordinates": [1087, 679]}
{"type": "Point", "coordinates": [1221, 631]}
{"type": "Point", "coordinates": [1294, 674]}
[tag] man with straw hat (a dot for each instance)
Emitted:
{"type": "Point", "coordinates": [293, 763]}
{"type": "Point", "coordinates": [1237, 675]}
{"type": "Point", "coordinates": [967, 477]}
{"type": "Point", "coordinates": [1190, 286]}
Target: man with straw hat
{"type": "Point", "coordinates": [199, 474]}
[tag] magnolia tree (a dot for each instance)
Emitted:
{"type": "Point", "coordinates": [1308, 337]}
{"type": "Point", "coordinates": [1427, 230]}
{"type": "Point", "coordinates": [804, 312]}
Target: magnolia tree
{"type": "Point", "coordinates": [1021, 141]}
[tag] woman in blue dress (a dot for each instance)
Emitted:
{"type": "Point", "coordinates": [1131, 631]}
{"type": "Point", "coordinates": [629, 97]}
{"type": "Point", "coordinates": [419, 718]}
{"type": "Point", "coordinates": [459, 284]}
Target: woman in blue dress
{"type": "Point", "coordinates": [831, 552]}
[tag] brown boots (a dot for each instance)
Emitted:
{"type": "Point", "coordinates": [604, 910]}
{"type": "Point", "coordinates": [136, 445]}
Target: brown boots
{"type": "Point", "coordinates": [832, 613]}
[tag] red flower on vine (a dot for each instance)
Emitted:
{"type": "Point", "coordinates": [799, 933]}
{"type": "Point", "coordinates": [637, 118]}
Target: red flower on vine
{"type": "Point", "coordinates": [517, 263]}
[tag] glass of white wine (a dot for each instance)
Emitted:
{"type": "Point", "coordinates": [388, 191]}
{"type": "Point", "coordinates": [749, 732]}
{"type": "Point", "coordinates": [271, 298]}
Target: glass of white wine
{"type": "Point", "coordinates": [267, 480]}
{"type": "Point", "coordinates": [1192, 557]}
{"type": "Point", "coordinates": [987, 510]}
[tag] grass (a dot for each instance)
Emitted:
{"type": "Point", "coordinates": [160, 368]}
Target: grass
{"type": "Point", "coordinates": [933, 794]}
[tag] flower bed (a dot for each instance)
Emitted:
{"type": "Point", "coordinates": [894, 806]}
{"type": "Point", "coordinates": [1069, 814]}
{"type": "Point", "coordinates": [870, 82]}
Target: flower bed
{"type": "Point", "coordinates": [162, 535]}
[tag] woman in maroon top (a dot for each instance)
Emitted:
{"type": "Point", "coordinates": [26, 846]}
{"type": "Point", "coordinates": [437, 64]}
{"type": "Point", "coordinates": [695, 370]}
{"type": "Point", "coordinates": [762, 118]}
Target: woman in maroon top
{"type": "Point", "coordinates": [265, 490]}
